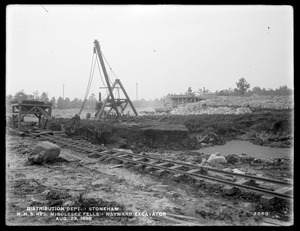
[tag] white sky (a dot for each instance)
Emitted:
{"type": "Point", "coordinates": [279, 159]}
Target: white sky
{"type": "Point", "coordinates": [165, 49]}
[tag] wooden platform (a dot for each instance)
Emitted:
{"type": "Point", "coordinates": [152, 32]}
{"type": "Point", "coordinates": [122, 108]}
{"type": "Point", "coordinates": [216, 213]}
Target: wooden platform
{"type": "Point", "coordinates": [40, 109]}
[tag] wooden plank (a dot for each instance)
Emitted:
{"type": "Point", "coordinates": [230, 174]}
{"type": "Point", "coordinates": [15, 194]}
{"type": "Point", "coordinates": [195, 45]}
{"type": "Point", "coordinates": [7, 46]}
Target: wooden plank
{"type": "Point", "coordinates": [174, 220]}
{"type": "Point", "coordinates": [193, 170]}
{"type": "Point", "coordinates": [44, 113]}
{"type": "Point", "coordinates": [246, 182]}
{"type": "Point", "coordinates": [124, 155]}
{"type": "Point", "coordinates": [183, 217]}
{"type": "Point", "coordinates": [266, 199]}
{"type": "Point", "coordinates": [284, 190]}
{"type": "Point", "coordinates": [161, 164]}
{"type": "Point", "coordinates": [28, 104]}
{"type": "Point", "coordinates": [27, 112]}
{"type": "Point", "coordinates": [175, 166]}
{"type": "Point", "coordinates": [138, 159]}
{"type": "Point", "coordinates": [116, 166]}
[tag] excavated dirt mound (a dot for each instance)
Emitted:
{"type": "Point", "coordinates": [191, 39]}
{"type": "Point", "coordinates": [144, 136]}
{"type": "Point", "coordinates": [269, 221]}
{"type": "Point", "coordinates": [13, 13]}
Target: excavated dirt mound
{"type": "Point", "coordinates": [235, 105]}
{"type": "Point", "coordinates": [179, 132]}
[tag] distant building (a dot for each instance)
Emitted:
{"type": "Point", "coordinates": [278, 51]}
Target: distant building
{"type": "Point", "coordinates": [176, 100]}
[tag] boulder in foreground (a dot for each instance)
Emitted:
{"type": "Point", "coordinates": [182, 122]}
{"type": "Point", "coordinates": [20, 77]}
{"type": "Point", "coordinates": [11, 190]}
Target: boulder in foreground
{"type": "Point", "coordinates": [45, 151]}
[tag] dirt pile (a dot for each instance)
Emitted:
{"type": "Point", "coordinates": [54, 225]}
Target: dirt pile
{"type": "Point", "coordinates": [202, 108]}
{"type": "Point", "coordinates": [235, 105]}
{"type": "Point", "coordinates": [178, 132]}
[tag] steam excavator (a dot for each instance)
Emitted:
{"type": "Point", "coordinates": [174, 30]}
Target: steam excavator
{"type": "Point", "coordinates": [115, 105]}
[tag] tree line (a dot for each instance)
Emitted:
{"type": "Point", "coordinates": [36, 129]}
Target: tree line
{"type": "Point", "coordinates": [242, 89]}
{"type": "Point", "coordinates": [243, 86]}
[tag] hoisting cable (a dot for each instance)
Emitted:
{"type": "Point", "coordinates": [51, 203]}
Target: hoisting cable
{"type": "Point", "coordinates": [100, 73]}
{"type": "Point", "coordinates": [92, 69]}
{"type": "Point", "coordinates": [98, 65]}
{"type": "Point", "coordinates": [109, 66]}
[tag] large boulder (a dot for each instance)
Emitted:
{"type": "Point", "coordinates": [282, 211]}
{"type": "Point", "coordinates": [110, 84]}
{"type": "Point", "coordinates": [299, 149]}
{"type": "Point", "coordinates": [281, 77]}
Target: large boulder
{"type": "Point", "coordinates": [216, 159]}
{"type": "Point", "coordinates": [45, 151]}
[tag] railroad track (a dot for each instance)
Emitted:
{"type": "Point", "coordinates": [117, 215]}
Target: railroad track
{"type": "Point", "coordinates": [246, 182]}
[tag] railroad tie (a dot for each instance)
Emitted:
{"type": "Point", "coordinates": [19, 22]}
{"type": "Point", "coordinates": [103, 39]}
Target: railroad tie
{"type": "Point", "coordinates": [270, 200]}
{"type": "Point", "coordinates": [230, 190]}
{"type": "Point", "coordinates": [175, 166]}
{"type": "Point", "coordinates": [123, 155]}
{"type": "Point", "coordinates": [194, 171]}
{"type": "Point", "coordinates": [162, 164]}
{"type": "Point", "coordinates": [149, 168]}
{"type": "Point", "coordinates": [138, 159]}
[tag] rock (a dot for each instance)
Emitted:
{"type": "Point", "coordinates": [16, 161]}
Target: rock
{"type": "Point", "coordinates": [235, 170]}
{"type": "Point", "coordinates": [46, 192]}
{"type": "Point", "coordinates": [217, 154]}
{"type": "Point", "coordinates": [232, 159]}
{"type": "Point", "coordinates": [221, 217]}
{"type": "Point", "coordinates": [213, 159]}
{"type": "Point", "coordinates": [202, 162]}
{"type": "Point", "coordinates": [201, 213]}
{"type": "Point", "coordinates": [204, 144]}
{"type": "Point", "coordinates": [68, 203]}
{"type": "Point", "coordinates": [97, 183]}
{"type": "Point", "coordinates": [125, 150]}
{"type": "Point", "coordinates": [257, 161]}
{"type": "Point", "coordinates": [36, 159]}
{"type": "Point", "coordinates": [248, 214]}
{"type": "Point", "coordinates": [45, 151]}
{"type": "Point", "coordinates": [228, 190]}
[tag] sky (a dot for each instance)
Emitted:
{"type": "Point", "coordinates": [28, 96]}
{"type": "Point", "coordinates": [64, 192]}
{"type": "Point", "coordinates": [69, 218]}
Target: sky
{"type": "Point", "coordinates": [153, 49]}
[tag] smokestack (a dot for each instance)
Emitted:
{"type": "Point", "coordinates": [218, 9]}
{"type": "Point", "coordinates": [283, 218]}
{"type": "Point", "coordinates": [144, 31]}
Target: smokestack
{"type": "Point", "coordinates": [99, 96]}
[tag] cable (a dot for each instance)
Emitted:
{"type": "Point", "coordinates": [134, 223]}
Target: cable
{"type": "Point", "coordinates": [102, 79]}
{"type": "Point", "coordinates": [87, 89]}
{"type": "Point", "coordinates": [91, 80]}
{"type": "Point", "coordinates": [100, 73]}
{"type": "Point", "coordinates": [109, 65]}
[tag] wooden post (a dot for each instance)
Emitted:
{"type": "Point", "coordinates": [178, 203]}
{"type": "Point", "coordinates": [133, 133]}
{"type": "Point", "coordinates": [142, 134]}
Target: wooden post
{"type": "Point", "coordinates": [39, 116]}
{"type": "Point", "coordinates": [125, 93]}
{"type": "Point", "coordinates": [13, 117]}
{"type": "Point", "coordinates": [105, 101]}
{"type": "Point", "coordinates": [19, 116]}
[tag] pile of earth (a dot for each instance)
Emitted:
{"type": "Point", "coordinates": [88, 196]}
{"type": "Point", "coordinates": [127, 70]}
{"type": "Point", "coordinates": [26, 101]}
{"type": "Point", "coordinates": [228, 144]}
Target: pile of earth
{"type": "Point", "coordinates": [179, 132]}
{"type": "Point", "coordinates": [235, 105]}
{"type": "Point", "coordinates": [202, 108]}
